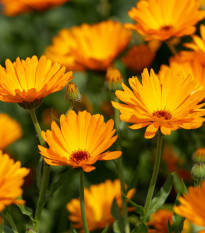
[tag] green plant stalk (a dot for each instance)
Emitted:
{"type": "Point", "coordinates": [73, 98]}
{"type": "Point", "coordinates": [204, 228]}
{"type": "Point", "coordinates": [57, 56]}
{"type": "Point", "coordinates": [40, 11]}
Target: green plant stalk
{"type": "Point", "coordinates": [154, 174]}
{"type": "Point", "coordinates": [120, 172]}
{"type": "Point", "coordinates": [11, 222]}
{"type": "Point", "coordinates": [46, 173]}
{"type": "Point", "coordinates": [82, 203]}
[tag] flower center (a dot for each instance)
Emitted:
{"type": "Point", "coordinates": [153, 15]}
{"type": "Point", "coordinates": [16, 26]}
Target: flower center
{"type": "Point", "coordinates": [163, 114]}
{"type": "Point", "coordinates": [166, 28]}
{"type": "Point", "coordinates": [79, 156]}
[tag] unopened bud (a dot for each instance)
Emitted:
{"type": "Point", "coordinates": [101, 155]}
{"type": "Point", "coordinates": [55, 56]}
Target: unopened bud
{"type": "Point", "coordinates": [113, 79]}
{"type": "Point", "coordinates": [198, 171]}
{"type": "Point", "coordinates": [72, 93]}
{"type": "Point", "coordinates": [199, 155]}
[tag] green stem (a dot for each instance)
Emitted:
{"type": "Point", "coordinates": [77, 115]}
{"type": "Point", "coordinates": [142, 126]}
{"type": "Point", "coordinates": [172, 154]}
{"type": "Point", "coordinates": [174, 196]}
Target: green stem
{"type": "Point", "coordinates": [121, 174]}
{"type": "Point", "coordinates": [46, 173]}
{"type": "Point", "coordinates": [11, 222]}
{"type": "Point", "coordinates": [70, 107]}
{"type": "Point", "coordinates": [154, 174]}
{"type": "Point", "coordinates": [82, 204]}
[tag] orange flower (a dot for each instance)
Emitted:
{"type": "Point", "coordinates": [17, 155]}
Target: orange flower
{"type": "Point", "coordinates": [11, 180]}
{"type": "Point", "coordinates": [10, 130]}
{"type": "Point", "coordinates": [98, 204]}
{"type": "Point", "coordinates": [113, 78]}
{"type": "Point", "coordinates": [159, 19]}
{"type": "Point", "coordinates": [13, 7]}
{"type": "Point", "coordinates": [80, 142]}
{"type": "Point", "coordinates": [159, 222]}
{"type": "Point", "coordinates": [192, 205]}
{"type": "Point", "coordinates": [92, 47]}
{"type": "Point", "coordinates": [139, 57]}
{"type": "Point", "coordinates": [153, 104]}
{"type": "Point", "coordinates": [26, 81]}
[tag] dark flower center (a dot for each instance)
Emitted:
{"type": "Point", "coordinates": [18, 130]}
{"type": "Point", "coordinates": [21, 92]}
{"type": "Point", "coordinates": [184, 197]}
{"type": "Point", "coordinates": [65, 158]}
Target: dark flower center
{"type": "Point", "coordinates": [78, 156]}
{"type": "Point", "coordinates": [163, 114]}
{"type": "Point", "coordinates": [166, 28]}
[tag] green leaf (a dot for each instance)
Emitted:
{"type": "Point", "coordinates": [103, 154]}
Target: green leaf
{"type": "Point", "coordinates": [139, 208]}
{"type": "Point", "coordinates": [26, 211]}
{"type": "Point", "coordinates": [141, 228]}
{"type": "Point", "coordinates": [2, 226]}
{"type": "Point", "coordinates": [162, 195]}
{"type": "Point", "coordinates": [72, 229]}
{"type": "Point", "coordinates": [105, 229]}
{"type": "Point", "coordinates": [169, 227]}
{"type": "Point", "coordinates": [64, 178]}
{"type": "Point", "coordinates": [118, 224]}
{"type": "Point", "coordinates": [179, 185]}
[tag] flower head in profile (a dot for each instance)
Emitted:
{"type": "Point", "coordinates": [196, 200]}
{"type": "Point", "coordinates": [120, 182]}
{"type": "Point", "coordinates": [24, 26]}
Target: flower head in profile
{"type": "Point", "coordinates": [11, 180]}
{"type": "Point", "coordinates": [113, 78]}
{"type": "Point", "coordinates": [26, 81]}
{"type": "Point", "coordinates": [89, 47]}
{"type": "Point", "coordinates": [199, 155]}
{"type": "Point", "coordinates": [13, 7]}
{"type": "Point", "coordinates": [98, 204]}
{"type": "Point", "coordinates": [80, 142]}
{"type": "Point", "coordinates": [191, 205]}
{"type": "Point", "coordinates": [139, 57]}
{"type": "Point", "coordinates": [162, 20]}
{"type": "Point", "coordinates": [10, 130]}
{"type": "Point", "coordinates": [152, 103]}
{"type": "Point", "coordinates": [159, 222]}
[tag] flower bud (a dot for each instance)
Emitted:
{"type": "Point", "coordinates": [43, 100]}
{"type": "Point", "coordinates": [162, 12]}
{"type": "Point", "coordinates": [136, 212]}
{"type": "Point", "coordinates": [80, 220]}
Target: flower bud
{"type": "Point", "coordinates": [72, 93]}
{"type": "Point", "coordinates": [113, 79]}
{"type": "Point", "coordinates": [198, 171]}
{"type": "Point", "coordinates": [199, 155]}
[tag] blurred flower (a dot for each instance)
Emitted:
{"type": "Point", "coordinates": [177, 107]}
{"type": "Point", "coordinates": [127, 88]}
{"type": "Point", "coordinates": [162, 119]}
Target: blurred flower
{"type": "Point", "coordinates": [80, 142]}
{"type": "Point", "coordinates": [11, 180]}
{"type": "Point", "coordinates": [26, 81]}
{"type": "Point", "coordinates": [174, 163]}
{"type": "Point", "coordinates": [159, 222]}
{"type": "Point", "coordinates": [199, 155]}
{"type": "Point", "coordinates": [92, 47]}
{"type": "Point", "coordinates": [139, 57]}
{"type": "Point", "coordinates": [162, 20]}
{"type": "Point", "coordinates": [113, 79]}
{"type": "Point", "coordinates": [153, 104]}
{"type": "Point", "coordinates": [202, 4]}
{"type": "Point", "coordinates": [197, 46]}
{"type": "Point", "coordinates": [72, 93]}
{"type": "Point", "coordinates": [192, 205]}
{"type": "Point", "coordinates": [107, 109]}
{"type": "Point", "coordinates": [13, 7]}
{"type": "Point", "coordinates": [98, 204]}
{"type": "Point", "coordinates": [10, 130]}
{"type": "Point", "coordinates": [188, 67]}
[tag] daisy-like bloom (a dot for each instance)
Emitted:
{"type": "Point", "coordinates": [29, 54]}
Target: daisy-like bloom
{"type": "Point", "coordinates": [26, 81]}
{"type": "Point", "coordinates": [159, 222]}
{"type": "Point", "coordinates": [98, 204]}
{"type": "Point", "coordinates": [197, 46]}
{"type": "Point", "coordinates": [191, 205]}
{"type": "Point", "coordinates": [92, 47]}
{"type": "Point", "coordinates": [162, 20]}
{"type": "Point", "coordinates": [10, 130]}
{"type": "Point", "coordinates": [139, 57]}
{"type": "Point", "coordinates": [153, 103]}
{"type": "Point", "coordinates": [11, 180]}
{"type": "Point", "coordinates": [113, 78]}
{"type": "Point", "coordinates": [199, 155]}
{"type": "Point", "coordinates": [81, 141]}
{"type": "Point", "coordinates": [13, 7]}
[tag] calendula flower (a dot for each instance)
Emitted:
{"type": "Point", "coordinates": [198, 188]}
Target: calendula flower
{"type": "Point", "coordinates": [162, 20]}
{"type": "Point", "coordinates": [159, 222]}
{"type": "Point", "coordinates": [10, 130]}
{"type": "Point", "coordinates": [199, 155]}
{"type": "Point", "coordinates": [11, 180]}
{"type": "Point", "coordinates": [197, 46]}
{"type": "Point", "coordinates": [26, 81]}
{"type": "Point", "coordinates": [13, 7]}
{"type": "Point", "coordinates": [139, 57]}
{"type": "Point", "coordinates": [191, 205]}
{"type": "Point", "coordinates": [81, 141]}
{"type": "Point", "coordinates": [153, 103]}
{"type": "Point", "coordinates": [98, 204]}
{"type": "Point", "coordinates": [92, 47]}
{"type": "Point", "coordinates": [113, 78]}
